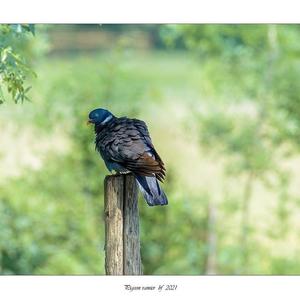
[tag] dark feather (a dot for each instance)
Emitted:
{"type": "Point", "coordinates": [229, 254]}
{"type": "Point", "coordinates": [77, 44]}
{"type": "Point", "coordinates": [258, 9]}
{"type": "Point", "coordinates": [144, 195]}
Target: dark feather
{"type": "Point", "coordinates": [127, 142]}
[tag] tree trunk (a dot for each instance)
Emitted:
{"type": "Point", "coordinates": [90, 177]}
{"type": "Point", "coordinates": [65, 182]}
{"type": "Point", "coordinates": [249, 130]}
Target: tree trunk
{"type": "Point", "coordinates": [245, 221]}
{"type": "Point", "coordinates": [211, 239]}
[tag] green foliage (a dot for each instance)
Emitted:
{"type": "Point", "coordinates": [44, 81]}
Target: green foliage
{"type": "Point", "coordinates": [14, 69]}
{"type": "Point", "coordinates": [255, 67]}
{"type": "Point", "coordinates": [51, 230]}
{"type": "Point", "coordinates": [240, 139]}
{"type": "Point", "coordinates": [223, 112]}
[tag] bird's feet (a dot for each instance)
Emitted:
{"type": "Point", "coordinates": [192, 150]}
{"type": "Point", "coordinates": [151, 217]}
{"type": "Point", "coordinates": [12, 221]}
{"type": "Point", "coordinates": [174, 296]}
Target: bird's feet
{"type": "Point", "coordinates": [119, 173]}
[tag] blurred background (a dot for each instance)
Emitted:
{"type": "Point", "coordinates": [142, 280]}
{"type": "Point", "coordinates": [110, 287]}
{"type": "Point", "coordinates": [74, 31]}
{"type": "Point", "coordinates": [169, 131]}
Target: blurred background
{"type": "Point", "coordinates": [222, 103]}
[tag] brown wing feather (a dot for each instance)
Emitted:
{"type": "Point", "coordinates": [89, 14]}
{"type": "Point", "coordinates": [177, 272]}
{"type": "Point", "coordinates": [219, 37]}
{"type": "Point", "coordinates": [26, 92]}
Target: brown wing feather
{"type": "Point", "coordinates": [146, 165]}
{"type": "Point", "coordinates": [128, 142]}
{"type": "Point", "coordinates": [143, 129]}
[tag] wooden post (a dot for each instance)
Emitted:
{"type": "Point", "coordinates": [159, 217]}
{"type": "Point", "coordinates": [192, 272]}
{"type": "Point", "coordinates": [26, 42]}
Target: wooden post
{"type": "Point", "coordinates": [122, 238]}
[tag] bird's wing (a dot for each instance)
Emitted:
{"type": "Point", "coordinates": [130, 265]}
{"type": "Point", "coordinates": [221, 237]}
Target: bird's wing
{"type": "Point", "coordinates": [130, 145]}
{"type": "Point", "coordinates": [143, 129]}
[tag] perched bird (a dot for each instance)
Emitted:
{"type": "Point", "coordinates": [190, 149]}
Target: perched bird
{"type": "Point", "coordinates": [125, 146]}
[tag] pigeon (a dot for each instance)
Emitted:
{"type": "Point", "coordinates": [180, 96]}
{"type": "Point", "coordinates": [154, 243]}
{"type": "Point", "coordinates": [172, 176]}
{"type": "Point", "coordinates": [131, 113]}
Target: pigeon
{"type": "Point", "coordinates": [125, 146]}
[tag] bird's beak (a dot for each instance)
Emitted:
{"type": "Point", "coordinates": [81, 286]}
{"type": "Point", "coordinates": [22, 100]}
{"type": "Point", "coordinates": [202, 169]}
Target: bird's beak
{"type": "Point", "coordinates": [88, 122]}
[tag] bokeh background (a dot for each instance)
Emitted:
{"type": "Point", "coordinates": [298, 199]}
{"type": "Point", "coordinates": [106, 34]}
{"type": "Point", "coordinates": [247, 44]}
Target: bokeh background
{"type": "Point", "coordinates": [222, 103]}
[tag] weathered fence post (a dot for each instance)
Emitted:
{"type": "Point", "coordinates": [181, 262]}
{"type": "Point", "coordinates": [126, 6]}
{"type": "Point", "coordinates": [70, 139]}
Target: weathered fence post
{"type": "Point", "coordinates": [122, 238]}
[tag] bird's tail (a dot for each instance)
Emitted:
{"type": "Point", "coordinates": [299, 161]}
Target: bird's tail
{"type": "Point", "coordinates": [151, 190]}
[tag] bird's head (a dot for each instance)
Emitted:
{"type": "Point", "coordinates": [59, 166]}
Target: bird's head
{"type": "Point", "coordinates": [99, 117]}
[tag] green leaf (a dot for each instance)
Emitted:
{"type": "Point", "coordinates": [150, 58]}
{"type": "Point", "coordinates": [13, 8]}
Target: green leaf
{"type": "Point", "coordinates": [27, 89]}
{"type": "Point", "coordinates": [4, 55]}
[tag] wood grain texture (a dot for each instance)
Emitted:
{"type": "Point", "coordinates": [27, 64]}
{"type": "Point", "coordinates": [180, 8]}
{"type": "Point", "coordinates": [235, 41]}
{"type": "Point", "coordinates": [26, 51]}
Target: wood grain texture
{"type": "Point", "coordinates": [113, 211]}
{"type": "Point", "coordinates": [131, 232]}
{"type": "Point", "coordinates": [122, 238]}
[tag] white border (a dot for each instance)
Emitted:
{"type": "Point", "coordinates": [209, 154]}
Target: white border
{"type": "Point", "coordinates": [95, 287]}
{"type": "Point", "coordinates": [150, 11]}
{"type": "Point", "coordinates": [154, 11]}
